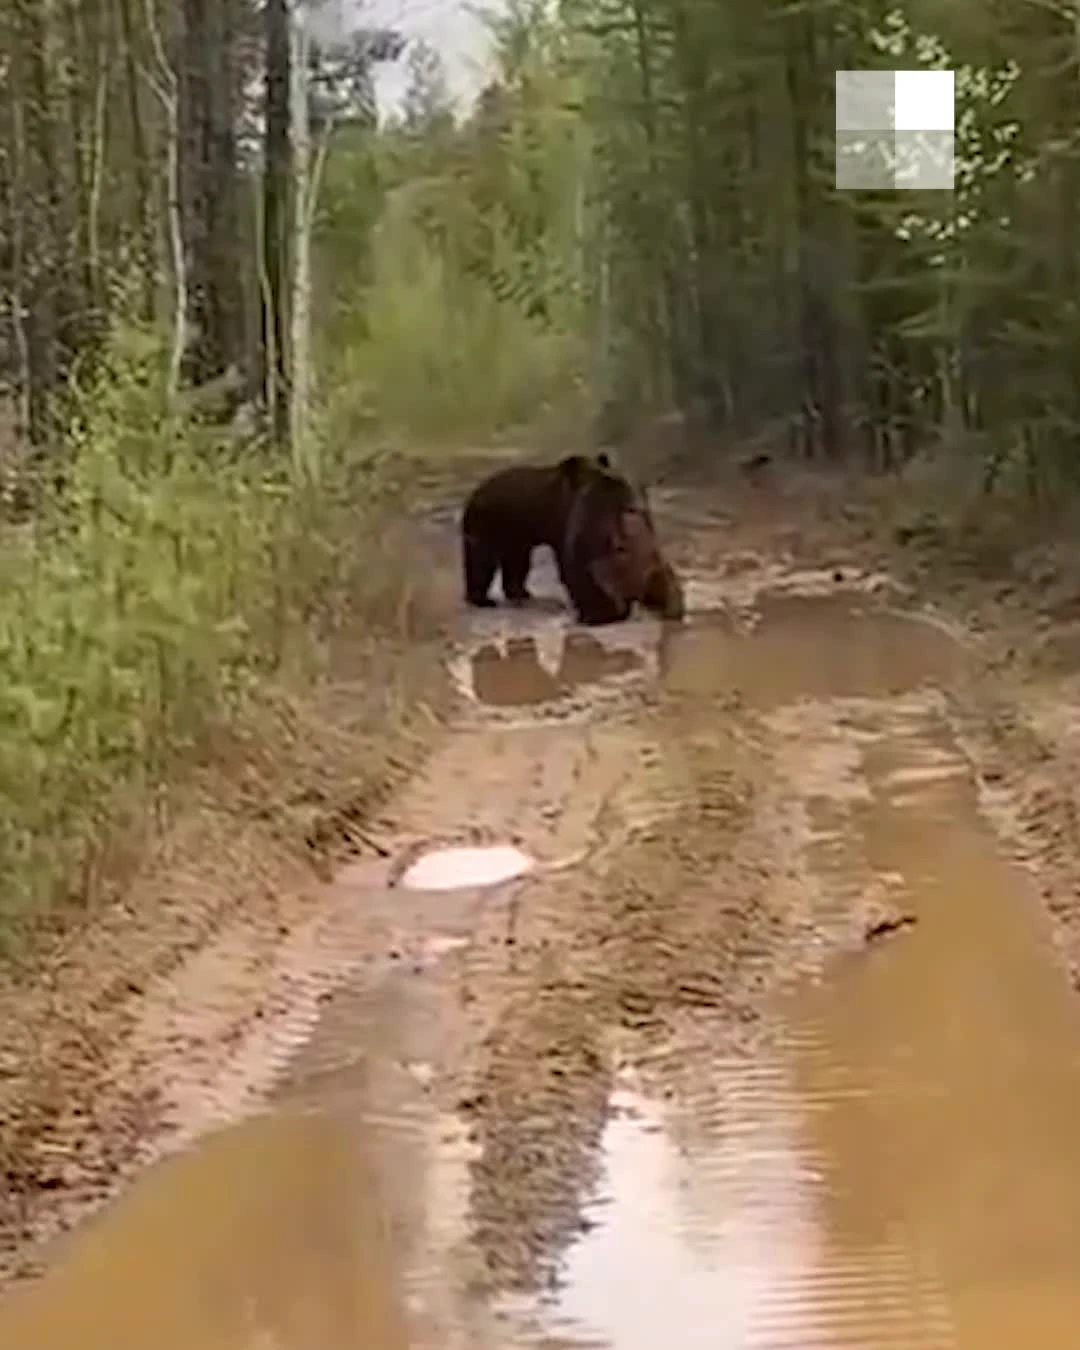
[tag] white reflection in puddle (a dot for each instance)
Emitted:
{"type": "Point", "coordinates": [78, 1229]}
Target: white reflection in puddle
{"type": "Point", "coordinates": [452, 869]}
{"type": "Point", "coordinates": [694, 1250]}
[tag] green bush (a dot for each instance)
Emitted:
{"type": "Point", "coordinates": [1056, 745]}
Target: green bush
{"type": "Point", "coordinates": [156, 589]}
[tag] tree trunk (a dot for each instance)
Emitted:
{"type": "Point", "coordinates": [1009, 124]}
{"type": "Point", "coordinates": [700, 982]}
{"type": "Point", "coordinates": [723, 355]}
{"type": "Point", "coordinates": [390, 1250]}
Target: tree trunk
{"type": "Point", "coordinates": [300, 327]}
{"type": "Point", "coordinates": [277, 175]}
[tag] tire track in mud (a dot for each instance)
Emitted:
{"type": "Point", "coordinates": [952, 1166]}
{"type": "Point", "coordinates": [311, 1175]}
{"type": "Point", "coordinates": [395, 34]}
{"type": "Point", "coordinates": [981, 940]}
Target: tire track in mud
{"type": "Point", "coordinates": [748, 1170]}
{"type": "Point", "coordinates": [567, 960]}
{"type": "Point", "coordinates": [689, 910]}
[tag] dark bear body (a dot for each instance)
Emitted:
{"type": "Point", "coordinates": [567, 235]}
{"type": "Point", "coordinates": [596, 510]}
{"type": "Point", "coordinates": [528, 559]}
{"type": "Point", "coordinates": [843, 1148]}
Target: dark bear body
{"type": "Point", "coordinates": [597, 524]}
{"type": "Point", "coordinates": [507, 516]}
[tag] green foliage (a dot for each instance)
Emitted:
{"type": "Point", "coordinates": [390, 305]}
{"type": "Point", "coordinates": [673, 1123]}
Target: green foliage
{"type": "Point", "coordinates": [443, 355]}
{"type": "Point", "coordinates": [468, 312]}
{"type": "Point", "coordinates": [350, 201]}
{"type": "Point", "coordinates": [165, 581]}
{"type": "Point", "coordinates": [730, 271]}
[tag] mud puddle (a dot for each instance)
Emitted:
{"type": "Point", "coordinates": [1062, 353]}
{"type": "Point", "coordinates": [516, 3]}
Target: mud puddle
{"type": "Point", "coordinates": [898, 1162]}
{"type": "Point", "coordinates": [890, 1160]}
{"type": "Point", "coordinates": [313, 1225]}
{"type": "Point", "coordinates": [535, 658]}
{"type": "Point", "coordinates": [519, 673]}
{"type": "Point", "coordinates": [267, 1236]}
{"type": "Point", "coordinates": [790, 648]}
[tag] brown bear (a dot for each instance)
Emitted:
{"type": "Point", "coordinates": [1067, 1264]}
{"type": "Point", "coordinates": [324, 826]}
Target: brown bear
{"type": "Point", "coordinates": [516, 509]}
{"type": "Point", "coordinates": [596, 523]}
{"type": "Point", "coordinates": [508, 515]}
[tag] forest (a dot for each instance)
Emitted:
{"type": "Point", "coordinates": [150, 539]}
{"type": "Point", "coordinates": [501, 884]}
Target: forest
{"type": "Point", "coordinates": [230, 293]}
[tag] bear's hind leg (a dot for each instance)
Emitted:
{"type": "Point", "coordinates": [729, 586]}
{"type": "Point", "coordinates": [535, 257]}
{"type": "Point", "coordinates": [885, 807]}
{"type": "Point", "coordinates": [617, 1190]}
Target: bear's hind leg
{"type": "Point", "coordinates": [480, 565]}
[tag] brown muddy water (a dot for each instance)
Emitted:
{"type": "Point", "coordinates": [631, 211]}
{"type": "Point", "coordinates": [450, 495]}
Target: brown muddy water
{"type": "Point", "coordinates": [895, 1164]}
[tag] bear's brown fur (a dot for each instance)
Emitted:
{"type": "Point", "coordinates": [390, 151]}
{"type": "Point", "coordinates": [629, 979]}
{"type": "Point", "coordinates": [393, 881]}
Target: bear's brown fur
{"type": "Point", "coordinates": [595, 521]}
{"type": "Point", "coordinates": [508, 515]}
{"type": "Point", "coordinates": [634, 569]}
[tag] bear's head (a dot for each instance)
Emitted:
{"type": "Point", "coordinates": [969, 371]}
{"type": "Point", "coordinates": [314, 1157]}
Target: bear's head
{"type": "Point", "coordinates": [611, 542]}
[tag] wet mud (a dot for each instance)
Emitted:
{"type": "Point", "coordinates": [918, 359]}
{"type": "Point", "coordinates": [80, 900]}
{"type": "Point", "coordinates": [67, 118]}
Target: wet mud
{"type": "Point", "coordinates": [267, 1236]}
{"type": "Point", "coordinates": [786, 1058]}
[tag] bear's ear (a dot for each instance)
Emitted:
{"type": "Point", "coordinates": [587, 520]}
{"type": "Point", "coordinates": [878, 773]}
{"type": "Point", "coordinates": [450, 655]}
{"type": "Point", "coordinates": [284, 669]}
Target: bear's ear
{"type": "Point", "coordinates": [573, 468]}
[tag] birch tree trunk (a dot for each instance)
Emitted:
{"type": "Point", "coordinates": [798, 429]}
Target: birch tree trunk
{"type": "Point", "coordinates": [275, 218]}
{"type": "Point", "coordinates": [300, 325]}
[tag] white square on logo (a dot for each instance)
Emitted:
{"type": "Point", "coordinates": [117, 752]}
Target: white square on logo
{"type": "Point", "coordinates": [925, 100]}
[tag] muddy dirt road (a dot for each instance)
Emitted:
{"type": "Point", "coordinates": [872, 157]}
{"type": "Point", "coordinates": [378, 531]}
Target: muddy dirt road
{"type": "Point", "coordinates": [772, 1048]}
